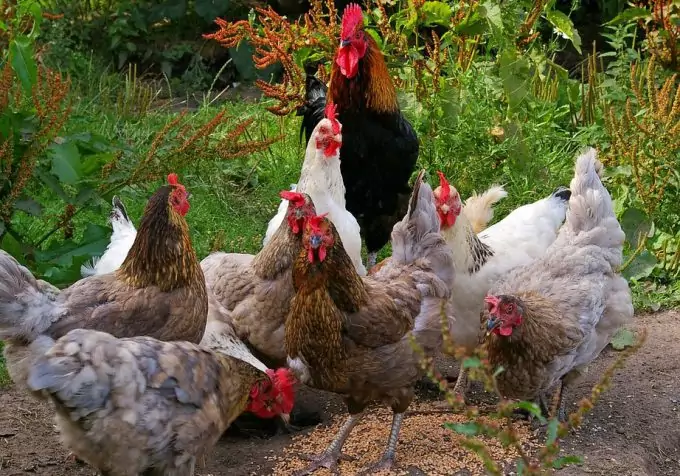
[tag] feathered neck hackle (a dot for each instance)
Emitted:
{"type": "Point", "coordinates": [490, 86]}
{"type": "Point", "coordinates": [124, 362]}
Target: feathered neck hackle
{"type": "Point", "coordinates": [278, 254]}
{"type": "Point", "coordinates": [336, 273]}
{"type": "Point", "coordinates": [162, 254]}
{"type": "Point", "coordinates": [371, 89]}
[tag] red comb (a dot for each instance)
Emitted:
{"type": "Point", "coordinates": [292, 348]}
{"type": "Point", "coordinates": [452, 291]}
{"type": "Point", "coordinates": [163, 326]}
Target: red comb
{"type": "Point", "coordinates": [295, 197]}
{"type": "Point", "coordinates": [315, 221]}
{"type": "Point", "coordinates": [351, 18]}
{"type": "Point", "coordinates": [445, 191]}
{"type": "Point", "coordinates": [331, 115]}
{"type": "Point", "coordinates": [172, 179]}
{"type": "Point", "coordinates": [492, 301]}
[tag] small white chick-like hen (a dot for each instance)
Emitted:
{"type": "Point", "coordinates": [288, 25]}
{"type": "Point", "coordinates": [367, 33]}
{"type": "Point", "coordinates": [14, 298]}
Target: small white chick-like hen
{"type": "Point", "coordinates": [321, 179]}
{"type": "Point", "coordinates": [124, 233]}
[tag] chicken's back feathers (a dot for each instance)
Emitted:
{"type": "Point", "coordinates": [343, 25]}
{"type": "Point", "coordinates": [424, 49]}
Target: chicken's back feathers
{"type": "Point", "coordinates": [478, 208]}
{"type": "Point", "coordinates": [170, 400]}
{"type": "Point", "coordinates": [27, 309]}
{"type": "Point", "coordinates": [122, 238]}
{"type": "Point", "coordinates": [417, 236]}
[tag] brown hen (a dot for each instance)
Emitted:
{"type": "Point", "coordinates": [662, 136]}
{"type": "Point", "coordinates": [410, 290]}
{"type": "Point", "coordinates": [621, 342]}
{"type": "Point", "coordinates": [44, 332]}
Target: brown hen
{"type": "Point", "coordinates": [352, 335]}
{"type": "Point", "coordinates": [159, 291]}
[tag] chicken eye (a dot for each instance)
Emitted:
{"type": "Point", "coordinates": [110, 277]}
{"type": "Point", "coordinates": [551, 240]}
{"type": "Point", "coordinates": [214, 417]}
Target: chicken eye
{"type": "Point", "coordinates": [510, 308]}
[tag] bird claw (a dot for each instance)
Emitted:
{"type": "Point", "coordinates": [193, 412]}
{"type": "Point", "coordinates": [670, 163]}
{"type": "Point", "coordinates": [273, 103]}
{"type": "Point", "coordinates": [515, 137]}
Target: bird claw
{"type": "Point", "coordinates": [384, 464]}
{"type": "Point", "coordinates": [328, 460]}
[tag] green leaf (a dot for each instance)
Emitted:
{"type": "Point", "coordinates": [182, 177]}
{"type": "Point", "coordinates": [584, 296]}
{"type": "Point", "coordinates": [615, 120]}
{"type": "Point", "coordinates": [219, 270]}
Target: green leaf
{"type": "Point", "coordinates": [66, 163]}
{"type": "Point", "coordinates": [437, 13]}
{"type": "Point", "coordinates": [23, 64]}
{"type": "Point", "coordinates": [532, 408]}
{"type": "Point", "coordinates": [211, 9]}
{"type": "Point", "coordinates": [641, 267]}
{"type": "Point", "coordinates": [629, 15]}
{"type": "Point", "coordinates": [13, 247]}
{"type": "Point", "coordinates": [51, 182]}
{"type": "Point", "coordinates": [636, 225]}
{"type": "Point", "coordinates": [516, 77]}
{"type": "Point", "coordinates": [467, 429]}
{"type": "Point", "coordinates": [553, 425]}
{"type": "Point", "coordinates": [472, 363]}
{"type": "Point", "coordinates": [492, 12]}
{"type": "Point", "coordinates": [623, 338]}
{"type": "Point", "coordinates": [564, 27]}
{"type": "Point", "coordinates": [29, 206]}
{"type": "Point", "coordinates": [564, 461]}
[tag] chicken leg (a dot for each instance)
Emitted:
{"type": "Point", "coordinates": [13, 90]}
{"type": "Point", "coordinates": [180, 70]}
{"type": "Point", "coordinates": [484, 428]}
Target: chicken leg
{"type": "Point", "coordinates": [557, 409]}
{"type": "Point", "coordinates": [387, 462]}
{"type": "Point", "coordinates": [329, 458]}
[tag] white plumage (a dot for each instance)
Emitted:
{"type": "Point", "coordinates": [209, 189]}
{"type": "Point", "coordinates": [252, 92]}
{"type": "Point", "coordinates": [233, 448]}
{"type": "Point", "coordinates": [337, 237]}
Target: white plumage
{"type": "Point", "coordinates": [321, 179]}
{"type": "Point", "coordinates": [124, 233]}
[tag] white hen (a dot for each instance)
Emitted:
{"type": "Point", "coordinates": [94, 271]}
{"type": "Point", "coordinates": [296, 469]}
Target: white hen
{"type": "Point", "coordinates": [321, 179]}
{"type": "Point", "coordinates": [124, 233]}
{"type": "Point", "coordinates": [481, 260]}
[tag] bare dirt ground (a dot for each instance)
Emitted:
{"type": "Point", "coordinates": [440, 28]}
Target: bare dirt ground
{"type": "Point", "coordinates": [633, 431]}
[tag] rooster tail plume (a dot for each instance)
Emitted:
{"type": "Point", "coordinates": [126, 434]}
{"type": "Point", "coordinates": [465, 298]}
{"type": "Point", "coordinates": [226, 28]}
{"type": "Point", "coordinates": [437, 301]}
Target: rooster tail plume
{"type": "Point", "coordinates": [27, 306]}
{"type": "Point", "coordinates": [417, 236]}
{"type": "Point", "coordinates": [479, 208]}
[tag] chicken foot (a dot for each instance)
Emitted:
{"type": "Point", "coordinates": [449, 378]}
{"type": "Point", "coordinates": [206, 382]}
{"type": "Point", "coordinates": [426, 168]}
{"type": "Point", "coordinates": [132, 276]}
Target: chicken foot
{"type": "Point", "coordinates": [329, 458]}
{"type": "Point", "coordinates": [387, 461]}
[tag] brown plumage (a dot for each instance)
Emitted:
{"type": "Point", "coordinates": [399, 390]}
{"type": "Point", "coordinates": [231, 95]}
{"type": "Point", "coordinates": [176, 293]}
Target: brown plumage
{"type": "Point", "coordinates": [256, 290]}
{"type": "Point", "coordinates": [142, 406]}
{"type": "Point", "coordinates": [159, 291]}
{"type": "Point", "coordinates": [352, 335]}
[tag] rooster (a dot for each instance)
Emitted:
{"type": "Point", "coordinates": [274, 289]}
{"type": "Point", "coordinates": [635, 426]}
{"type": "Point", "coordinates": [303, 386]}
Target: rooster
{"type": "Point", "coordinates": [380, 147]}
{"type": "Point", "coordinates": [159, 291]}
{"type": "Point", "coordinates": [143, 406]}
{"type": "Point", "coordinates": [122, 238]}
{"type": "Point", "coordinates": [321, 179]}
{"type": "Point", "coordinates": [480, 260]}
{"type": "Point", "coordinates": [352, 335]}
{"type": "Point", "coordinates": [547, 321]}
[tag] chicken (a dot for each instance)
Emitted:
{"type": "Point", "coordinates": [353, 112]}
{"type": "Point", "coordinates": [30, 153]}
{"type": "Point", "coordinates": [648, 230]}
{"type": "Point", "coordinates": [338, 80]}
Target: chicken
{"type": "Point", "coordinates": [480, 260]}
{"type": "Point", "coordinates": [142, 406]}
{"type": "Point", "coordinates": [219, 319]}
{"type": "Point", "coordinates": [159, 291]}
{"type": "Point", "coordinates": [256, 290]}
{"type": "Point", "coordinates": [380, 147]}
{"type": "Point", "coordinates": [352, 335]}
{"type": "Point", "coordinates": [321, 179]}
{"type": "Point", "coordinates": [548, 320]}
{"type": "Point", "coordinates": [122, 238]}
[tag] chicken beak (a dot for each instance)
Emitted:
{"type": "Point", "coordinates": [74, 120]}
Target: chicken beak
{"type": "Point", "coordinates": [315, 241]}
{"type": "Point", "coordinates": [344, 43]}
{"type": "Point", "coordinates": [491, 324]}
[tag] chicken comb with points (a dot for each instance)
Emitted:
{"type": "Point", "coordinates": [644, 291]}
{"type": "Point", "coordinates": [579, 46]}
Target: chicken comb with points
{"type": "Point", "coordinates": [351, 18]}
{"type": "Point", "coordinates": [331, 113]}
{"type": "Point", "coordinates": [316, 221]}
{"type": "Point", "coordinates": [295, 197]}
{"type": "Point", "coordinates": [445, 187]}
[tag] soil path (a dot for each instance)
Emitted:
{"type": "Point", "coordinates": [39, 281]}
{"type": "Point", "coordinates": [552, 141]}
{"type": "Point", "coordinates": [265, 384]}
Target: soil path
{"type": "Point", "coordinates": [634, 430]}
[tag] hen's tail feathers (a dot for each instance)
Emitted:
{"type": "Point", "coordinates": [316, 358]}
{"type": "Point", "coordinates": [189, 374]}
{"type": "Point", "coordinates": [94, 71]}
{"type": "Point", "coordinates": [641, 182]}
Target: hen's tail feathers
{"type": "Point", "coordinates": [479, 208]}
{"type": "Point", "coordinates": [76, 371]}
{"type": "Point", "coordinates": [563, 193]}
{"type": "Point", "coordinates": [221, 336]}
{"type": "Point", "coordinates": [417, 235]}
{"type": "Point", "coordinates": [27, 306]}
{"type": "Point", "coordinates": [591, 212]}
